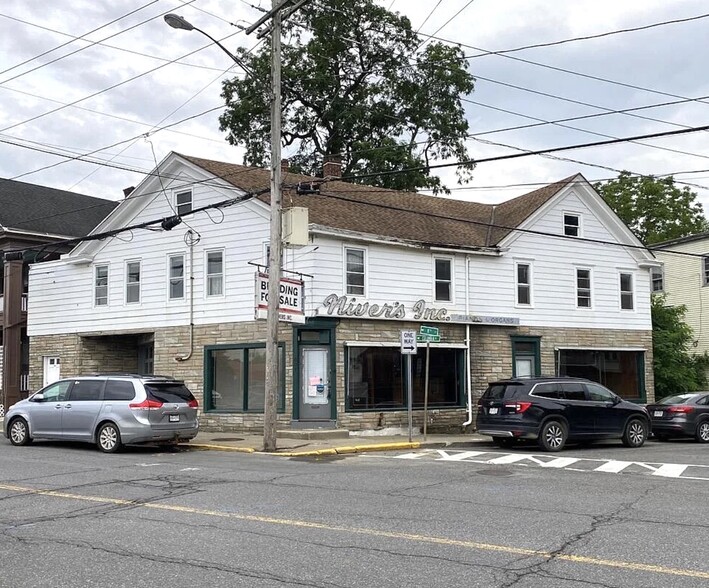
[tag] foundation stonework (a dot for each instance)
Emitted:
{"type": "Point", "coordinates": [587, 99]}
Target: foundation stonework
{"type": "Point", "coordinates": [491, 359]}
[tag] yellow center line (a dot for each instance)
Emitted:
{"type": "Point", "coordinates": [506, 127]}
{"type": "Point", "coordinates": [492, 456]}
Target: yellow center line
{"type": "Point", "coordinates": [580, 559]}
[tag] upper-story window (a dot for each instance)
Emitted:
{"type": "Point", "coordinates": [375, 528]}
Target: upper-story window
{"type": "Point", "coordinates": [355, 270]}
{"type": "Point", "coordinates": [705, 272]}
{"type": "Point", "coordinates": [626, 291]}
{"type": "Point", "coordinates": [215, 273]}
{"type": "Point", "coordinates": [183, 202]}
{"type": "Point", "coordinates": [443, 268]}
{"type": "Point", "coordinates": [572, 224]}
{"type": "Point", "coordinates": [101, 285]}
{"type": "Point", "coordinates": [583, 288]}
{"type": "Point", "coordinates": [658, 279]}
{"type": "Point", "coordinates": [176, 279]}
{"type": "Point", "coordinates": [524, 284]}
{"type": "Point", "coordinates": [132, 282]}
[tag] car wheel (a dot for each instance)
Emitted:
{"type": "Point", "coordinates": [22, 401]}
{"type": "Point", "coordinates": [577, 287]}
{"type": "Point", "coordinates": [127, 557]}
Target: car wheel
{"type": "Point", "coordinates": [635, 433]}
{"type": "Point", "coordinates": [553, 436]}
{"type": "Point", "coordinates": [19, 432]}
{"type": "Point", "coordinates": [702, 434]}
{"type": "Point", "coordinates": [504, 442]}
{"type": "Point", "coordinates": [108, 439]}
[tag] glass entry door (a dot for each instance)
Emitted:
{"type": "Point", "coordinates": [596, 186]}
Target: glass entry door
{"type": "Point", "coordinates": [315, 403]}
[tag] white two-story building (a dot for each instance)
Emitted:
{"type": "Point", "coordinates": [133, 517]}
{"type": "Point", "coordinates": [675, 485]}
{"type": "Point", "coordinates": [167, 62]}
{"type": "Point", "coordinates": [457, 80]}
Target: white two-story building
{"type": "Point", "coordinates": [550, 282]}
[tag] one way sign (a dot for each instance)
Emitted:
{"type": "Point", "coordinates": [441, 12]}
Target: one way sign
{"type": "Point", "coordinates": [408, 342]}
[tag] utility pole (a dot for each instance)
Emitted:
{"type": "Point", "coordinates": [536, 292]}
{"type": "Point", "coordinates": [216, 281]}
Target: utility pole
{"type": "Point", "coordinates": [270, 410]}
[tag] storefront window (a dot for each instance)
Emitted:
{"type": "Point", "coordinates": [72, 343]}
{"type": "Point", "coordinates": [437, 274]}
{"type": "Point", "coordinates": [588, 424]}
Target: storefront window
{"type": "Point", "coordinates": [621, 371]}
{"type": "Point", "coordinates": [377, 381]}
{"type": "Point", "coordinates": [235, 378]}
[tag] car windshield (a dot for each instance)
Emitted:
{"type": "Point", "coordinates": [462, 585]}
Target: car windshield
{"type": "Point", "coordinates": [169, 392]}
{"type": "Point", "coordinates": [500, 391]}
{"type": "Point", "coordinates": [678, 399]}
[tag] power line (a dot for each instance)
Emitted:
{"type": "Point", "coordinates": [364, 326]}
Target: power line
{"type": "Point", "coordinates": [115, 20]}
{"type": "Point", "coordinates": [518, 155]}
{"type": "Point", "coordinates": [109, 88]}
{"type": "Point", "coordinates": [91, 44]}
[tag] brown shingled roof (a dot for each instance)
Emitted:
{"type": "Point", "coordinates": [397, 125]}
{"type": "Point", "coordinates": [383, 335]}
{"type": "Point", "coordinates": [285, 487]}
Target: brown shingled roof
{"type": "Point", "coordinates": [400, 215]}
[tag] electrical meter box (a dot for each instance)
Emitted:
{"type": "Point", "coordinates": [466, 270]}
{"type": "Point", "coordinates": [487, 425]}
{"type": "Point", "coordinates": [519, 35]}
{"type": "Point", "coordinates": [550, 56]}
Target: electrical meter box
{"type": "Point", "coordinates": [295, 226]}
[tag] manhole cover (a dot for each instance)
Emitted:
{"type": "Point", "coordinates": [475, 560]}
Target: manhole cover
{"type": "Point", "coordinates": [223, 439]}
{"type": "Point", "coordinates": [495, 472]}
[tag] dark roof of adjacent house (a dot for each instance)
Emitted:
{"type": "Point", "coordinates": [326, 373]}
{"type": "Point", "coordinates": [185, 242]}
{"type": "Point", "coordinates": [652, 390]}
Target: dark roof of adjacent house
{"type": "Point", "coordinates": [407, 216]}
{"type": "Point", "coordinates": [680, 240]}
{"type": "Point", "coordinates": [39, 209]}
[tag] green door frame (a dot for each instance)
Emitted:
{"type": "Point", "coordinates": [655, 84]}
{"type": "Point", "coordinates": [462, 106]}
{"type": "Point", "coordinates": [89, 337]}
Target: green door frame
{"type": "Point", "coordinates": [328, 326]}
{"type": "Point", "coordinates": [536, 341]}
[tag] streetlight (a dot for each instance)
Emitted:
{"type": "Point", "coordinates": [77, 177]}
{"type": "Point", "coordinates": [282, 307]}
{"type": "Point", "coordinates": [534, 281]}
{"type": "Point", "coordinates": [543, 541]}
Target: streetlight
{"type": "Point", "coordinates": [274, 258]}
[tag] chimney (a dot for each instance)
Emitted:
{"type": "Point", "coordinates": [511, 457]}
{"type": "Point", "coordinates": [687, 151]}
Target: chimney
{"type": "Point", "coordinates": [284, 166]}
{"type": "Point", "coordinates": [127, 191]}
{"type": "Point", "coordinates": [332, 168]}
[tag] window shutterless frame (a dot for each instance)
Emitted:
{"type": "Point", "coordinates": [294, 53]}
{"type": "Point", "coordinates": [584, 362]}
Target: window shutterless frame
{"type": "Point", "coordinates": [176, 276]}
{"type": "Point", "coordinates": [571, 222]}
{"type": "Point", "coordinates": [133, 270]}
{"type": "Point", "coordinates": [443, 279]}
{"type": "Point", "coordinates": [214, 273]}
{"type": "Point", "coordinates": [355, 261]}
{"type": "Point", "coordinates": [705, 270]}
{"type": "Point", "coordinates": [101, 285]}
{"type": "Point", "coordinates": [183, 202]}
{"type": "Point", "coordinates": [657, 277]}
{"type": "Point", "coordinates": [584, 287]}
{"type": "Point", "coordinates": [627, 291]}
{"type": "Point", "coordinates": [523, 283]}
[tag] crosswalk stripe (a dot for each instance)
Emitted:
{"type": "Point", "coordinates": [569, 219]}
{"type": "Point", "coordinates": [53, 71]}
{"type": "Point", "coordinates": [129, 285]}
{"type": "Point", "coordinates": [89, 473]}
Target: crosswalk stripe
{"type": "Point", "coordinates": [613, 467]}
{"type": "Point", "coordinates": [670, 470]}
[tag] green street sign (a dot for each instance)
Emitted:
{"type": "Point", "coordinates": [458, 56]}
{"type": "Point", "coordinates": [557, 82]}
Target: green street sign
{"type": "Point", "coordinates": [426, 338]}
{"type": "Point", "coordinates": [429, 330]}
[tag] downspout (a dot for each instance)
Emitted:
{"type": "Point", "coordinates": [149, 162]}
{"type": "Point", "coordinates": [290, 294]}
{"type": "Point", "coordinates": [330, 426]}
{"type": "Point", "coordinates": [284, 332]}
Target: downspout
{"type": "Point", "coordinates": [468, 377]}
{"type": "Point", "coordinates": [189, 238]}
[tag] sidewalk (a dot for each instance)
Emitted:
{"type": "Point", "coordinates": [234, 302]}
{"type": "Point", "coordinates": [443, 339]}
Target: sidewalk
{"type": "Point", "coordinates": [321, 443]}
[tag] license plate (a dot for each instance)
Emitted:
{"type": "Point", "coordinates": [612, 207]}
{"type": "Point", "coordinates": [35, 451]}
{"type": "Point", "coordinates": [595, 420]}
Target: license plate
{"type": "Point", "coordinates": [658, 413]}
{"type": "Point", "coordinates": [493, 410]}
{"type": "Point", "coordinates": [174, 418]}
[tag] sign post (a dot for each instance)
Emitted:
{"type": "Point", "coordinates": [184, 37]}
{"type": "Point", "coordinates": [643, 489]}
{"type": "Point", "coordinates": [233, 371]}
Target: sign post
{"type": "Point", "coordinates": [409, 348]}
{"type": "Point", "coordinates": [427, 335]}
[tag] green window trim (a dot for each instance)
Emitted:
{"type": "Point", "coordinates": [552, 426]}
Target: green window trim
{"type": "Point", "coordinates": [208, 403]}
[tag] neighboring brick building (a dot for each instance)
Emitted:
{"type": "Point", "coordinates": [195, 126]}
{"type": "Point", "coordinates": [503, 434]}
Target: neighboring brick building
{"type": "Point", "coordinates": [36, 217]}
{"type": "Point", "coordinates": [538, 284]}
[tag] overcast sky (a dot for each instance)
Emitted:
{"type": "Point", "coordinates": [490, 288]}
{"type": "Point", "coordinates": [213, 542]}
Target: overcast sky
{"type": "Point", "coordinates": [134, 73]}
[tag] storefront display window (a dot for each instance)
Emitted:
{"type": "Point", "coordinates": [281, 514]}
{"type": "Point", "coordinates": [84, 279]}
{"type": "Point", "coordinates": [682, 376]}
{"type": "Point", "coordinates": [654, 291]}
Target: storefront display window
{"type": "Point", "coordinates": [620, 371]}
{"type": "Point", "coordinates": [235, 378]}
{"type": "Point", "coordinates": [376, 379]}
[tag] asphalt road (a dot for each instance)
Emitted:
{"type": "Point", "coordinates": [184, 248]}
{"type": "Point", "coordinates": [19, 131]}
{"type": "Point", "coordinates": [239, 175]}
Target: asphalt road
{"type": "Point", "coordinates": [598, 516]}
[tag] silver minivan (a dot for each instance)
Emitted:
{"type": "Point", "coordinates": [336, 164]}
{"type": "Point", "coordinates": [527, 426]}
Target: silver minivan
{"type": "Point", "coordinates": [107, 409]}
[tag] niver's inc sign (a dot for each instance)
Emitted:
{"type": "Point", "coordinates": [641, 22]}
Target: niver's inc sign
{"type": "Point", "coordinates": [349, 307]}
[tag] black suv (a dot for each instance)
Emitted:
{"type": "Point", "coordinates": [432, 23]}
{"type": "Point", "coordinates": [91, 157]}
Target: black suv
{"type": "Point", "coordinates": [553, 410]}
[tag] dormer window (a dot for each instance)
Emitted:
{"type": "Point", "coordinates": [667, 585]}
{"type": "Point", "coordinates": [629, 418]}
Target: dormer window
{"type": "Point", "coordinates": [572, 225]}
{"type": "Point", "coordinates": [183, 202]}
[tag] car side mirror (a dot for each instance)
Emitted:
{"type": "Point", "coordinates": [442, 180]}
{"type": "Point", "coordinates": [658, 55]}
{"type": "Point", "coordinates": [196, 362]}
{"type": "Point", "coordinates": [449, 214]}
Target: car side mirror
{"type": "Point", "coordinates": [617, 400]}
{"type": "Point", "coordinates": [37, 398]}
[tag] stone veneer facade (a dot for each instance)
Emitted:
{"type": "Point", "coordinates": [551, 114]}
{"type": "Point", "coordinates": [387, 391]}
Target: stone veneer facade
{"type": "Point", "coordinates": [491, 358]}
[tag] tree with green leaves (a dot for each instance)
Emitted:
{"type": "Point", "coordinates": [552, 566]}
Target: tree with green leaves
{"type": "Point", "coordinates": [676, 368]}
{"type": "Point", "coordinates": [358, 85]}
{"type": "Point", "coordinates": [655, 209]}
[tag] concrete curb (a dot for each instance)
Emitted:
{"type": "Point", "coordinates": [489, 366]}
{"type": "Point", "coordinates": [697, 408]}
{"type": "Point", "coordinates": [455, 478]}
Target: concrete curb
{"type": "Point", "coordinates": [344, 450]}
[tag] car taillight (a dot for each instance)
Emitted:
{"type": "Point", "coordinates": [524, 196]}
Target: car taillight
{"type": "Point", "coordinates": [518, 407]}
{"type": "Point", "coordinates": [147, 404]}
{"type": "Point", "coordinates": [680, 408]}
{"type": "Point", "coordinates": [193, 403]}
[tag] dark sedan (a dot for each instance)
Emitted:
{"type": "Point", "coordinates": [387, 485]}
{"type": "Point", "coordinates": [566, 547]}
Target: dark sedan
{"type": "Point", "coordinates": [682, 415]}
